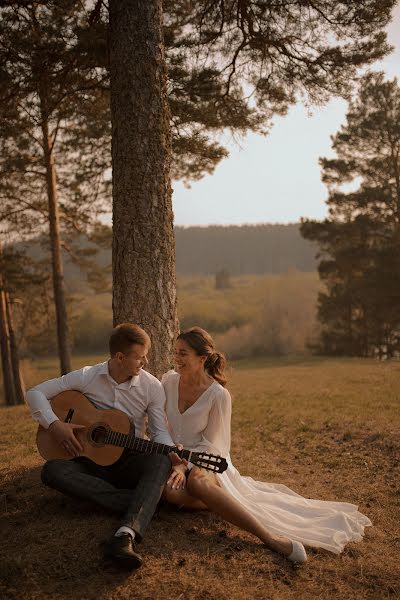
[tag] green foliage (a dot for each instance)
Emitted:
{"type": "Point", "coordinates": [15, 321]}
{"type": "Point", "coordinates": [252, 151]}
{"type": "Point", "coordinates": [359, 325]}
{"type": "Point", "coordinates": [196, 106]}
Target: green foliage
{"type": "Point", "coordinates": [50, 104]}
{"type": "Point", "coordinates": [200, 303]}
{"type": "Point", "coordinates": [360, 242]}
{"type": "Point", "coordinates": [256, 315]}
{"type": "Point", "coordinates": [283, 320]}
{"type": "Point", "coordinates": [92, 327]}
{"type": "Point", "coordinates": [231, 311]}
{"type": "Point", "coordinates": [280, 50]}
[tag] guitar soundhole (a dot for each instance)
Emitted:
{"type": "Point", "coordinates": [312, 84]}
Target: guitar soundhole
{"type": "Point", "coordinates": [99, 434]}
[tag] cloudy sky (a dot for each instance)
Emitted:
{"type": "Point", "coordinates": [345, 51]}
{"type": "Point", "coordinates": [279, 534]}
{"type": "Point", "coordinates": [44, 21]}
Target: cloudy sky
{"type": "Point", "coordinates": [274, 179]}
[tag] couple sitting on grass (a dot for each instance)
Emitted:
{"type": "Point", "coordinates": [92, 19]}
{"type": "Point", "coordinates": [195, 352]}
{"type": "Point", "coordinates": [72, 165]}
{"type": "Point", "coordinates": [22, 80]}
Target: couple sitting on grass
{"type": "Point", "coordinates": [190, 408]}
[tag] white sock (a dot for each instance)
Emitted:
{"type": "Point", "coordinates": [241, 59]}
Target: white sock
{"type": "Point", "coordinates": [123, 530]}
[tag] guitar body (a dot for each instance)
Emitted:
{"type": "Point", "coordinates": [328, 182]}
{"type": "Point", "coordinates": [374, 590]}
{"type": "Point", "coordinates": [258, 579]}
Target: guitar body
{"type": "Point", "coordinates": [74, 407]}
{"type": "Point", "coordinates": [107, 433]}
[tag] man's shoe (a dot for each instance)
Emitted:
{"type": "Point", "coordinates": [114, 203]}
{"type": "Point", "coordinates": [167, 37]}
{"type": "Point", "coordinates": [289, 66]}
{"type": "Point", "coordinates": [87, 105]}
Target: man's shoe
{"type": "Point", "coordinates": [121, 549]}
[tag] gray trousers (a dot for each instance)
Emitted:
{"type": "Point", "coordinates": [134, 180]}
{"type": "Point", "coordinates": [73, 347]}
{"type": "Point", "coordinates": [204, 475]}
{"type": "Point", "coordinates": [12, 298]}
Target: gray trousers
{"type": "Point", "coordinates": [131, 487]}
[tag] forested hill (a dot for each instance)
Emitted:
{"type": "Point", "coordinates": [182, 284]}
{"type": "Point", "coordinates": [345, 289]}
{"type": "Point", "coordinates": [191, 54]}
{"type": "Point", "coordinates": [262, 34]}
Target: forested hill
{"type": "Point", "coordinates": [240, 250]}
{"type": "Point", "coordinates": [243, 249]}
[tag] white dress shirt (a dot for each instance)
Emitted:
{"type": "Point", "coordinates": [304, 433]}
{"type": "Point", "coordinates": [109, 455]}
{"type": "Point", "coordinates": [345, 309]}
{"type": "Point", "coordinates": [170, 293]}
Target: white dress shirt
{"type": "Point", "coordinates": [140, 396]}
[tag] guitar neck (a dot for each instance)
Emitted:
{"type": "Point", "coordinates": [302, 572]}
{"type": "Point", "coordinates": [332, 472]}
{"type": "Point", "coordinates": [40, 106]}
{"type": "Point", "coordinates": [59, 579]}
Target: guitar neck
{"type": "Point", "coordinates": [124, 440]}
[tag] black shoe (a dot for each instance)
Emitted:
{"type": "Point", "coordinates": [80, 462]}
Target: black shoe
{"type": "Point", "coordinates": [121, 549]}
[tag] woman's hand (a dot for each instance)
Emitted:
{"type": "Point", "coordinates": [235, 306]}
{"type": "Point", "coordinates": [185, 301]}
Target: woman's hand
{"type": "Point", "coordinates": [177, 478]}
{"type": "Point", "coordinates": [175, 459]}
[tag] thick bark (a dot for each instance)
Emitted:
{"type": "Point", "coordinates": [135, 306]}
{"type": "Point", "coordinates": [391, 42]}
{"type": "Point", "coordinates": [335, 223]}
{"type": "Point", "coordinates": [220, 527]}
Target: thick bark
{"type": "Point", "coordinates": [16, 367]}
{"type": "Point", "coordinates": [55, 241]}
{"type": "Point", "coordinates": [8, 380]}
{"type": "Point", "coordinates": [144, 287]}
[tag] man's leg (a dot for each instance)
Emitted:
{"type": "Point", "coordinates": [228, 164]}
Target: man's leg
{"type": "Point", "coordinates": [86, 480]}
{"type": "Point", "coordinates": [132, 487]}
{"type": "Point", "coordinates": [147, 474]}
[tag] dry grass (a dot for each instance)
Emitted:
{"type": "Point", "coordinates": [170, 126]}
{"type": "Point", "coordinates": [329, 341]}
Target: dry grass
{"type": "Point", "coordinates": [329, 429]}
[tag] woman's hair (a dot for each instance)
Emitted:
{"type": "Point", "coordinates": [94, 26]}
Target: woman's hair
{"type": "Point", "coordinates": [202, 343]}
{"type": "Point", "coordinates": [124, 336]}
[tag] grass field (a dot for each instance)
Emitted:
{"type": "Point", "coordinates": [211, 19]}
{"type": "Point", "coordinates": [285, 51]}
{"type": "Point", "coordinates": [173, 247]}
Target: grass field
{"type": "Point", "coordinates": [329, 429]}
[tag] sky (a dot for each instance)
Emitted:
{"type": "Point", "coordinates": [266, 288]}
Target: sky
{"type": "Point", "coordinates": [274, 179]}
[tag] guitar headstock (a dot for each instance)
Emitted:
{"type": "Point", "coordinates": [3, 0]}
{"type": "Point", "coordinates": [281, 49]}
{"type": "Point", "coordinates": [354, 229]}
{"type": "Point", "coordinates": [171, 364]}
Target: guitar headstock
{"type": "Point", "coordinates": [209, 461]}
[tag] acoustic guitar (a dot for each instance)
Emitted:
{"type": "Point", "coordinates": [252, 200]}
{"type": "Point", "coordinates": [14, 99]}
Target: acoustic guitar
{"type": "Point", "coordinates": [107, 433]}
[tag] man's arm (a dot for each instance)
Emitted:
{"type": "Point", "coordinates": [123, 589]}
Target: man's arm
{"type": "Point", "coordinates": [38, 398]}
{"type": "Point", "coordinates": [158, 426]}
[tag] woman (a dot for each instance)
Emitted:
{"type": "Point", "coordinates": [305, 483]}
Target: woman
{"type": "Point", "coordinates": [199, 413]}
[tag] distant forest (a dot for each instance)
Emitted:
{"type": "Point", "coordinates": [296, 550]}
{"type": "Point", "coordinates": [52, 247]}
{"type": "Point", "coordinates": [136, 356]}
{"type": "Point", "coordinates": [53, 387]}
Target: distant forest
{"type": "Point", "coordinates": [238, 249]}
{"type": "Point", "coordinates": [243, 249]}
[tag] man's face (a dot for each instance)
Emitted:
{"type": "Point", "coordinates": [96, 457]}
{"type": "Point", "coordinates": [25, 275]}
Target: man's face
{"type": "Point", "coordinates": [134, 360]}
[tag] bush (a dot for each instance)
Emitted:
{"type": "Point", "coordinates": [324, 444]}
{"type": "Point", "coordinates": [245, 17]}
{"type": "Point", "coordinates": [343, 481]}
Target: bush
{"type": "Point", "coordinates": [92, 330]}
{"type": "Point", "coordinates": [286, 323]}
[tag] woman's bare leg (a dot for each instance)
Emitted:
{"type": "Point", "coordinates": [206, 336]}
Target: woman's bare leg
{"type": "Point", "coordinates": [182, 498]}
{"type": "Point", "coordinates": [205, 488]}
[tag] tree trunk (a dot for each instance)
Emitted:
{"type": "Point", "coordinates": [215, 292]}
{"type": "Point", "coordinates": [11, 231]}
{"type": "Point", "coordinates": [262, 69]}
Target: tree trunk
{"type": "Point", "coordinates": [55, 242]}
{"type": "Point", "coordinates": [144, 287]}
{"type": "Point", "coordinates": [8, 381]}
{"type": "Point", "coordinates": [16, 367]}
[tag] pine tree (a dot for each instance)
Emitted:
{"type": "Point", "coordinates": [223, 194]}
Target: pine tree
{"type": "Point", "coordinates": [245, 44]}
{"type": "Point", "coordinates": [218, 52]}
{"type": "Point", "coordinates": [46, 87]}
{"type": "Point", "coordinates": [359, 243]}
{"type": "Point", "coordinates": [14, 276]}
{"type": "Point", "coordinates": [144, 287]}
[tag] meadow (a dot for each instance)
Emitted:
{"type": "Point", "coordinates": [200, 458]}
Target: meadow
{"type": "Point", "coordinates": [327, 428]}
{"type": "Point", "coordinates": [271, 314]}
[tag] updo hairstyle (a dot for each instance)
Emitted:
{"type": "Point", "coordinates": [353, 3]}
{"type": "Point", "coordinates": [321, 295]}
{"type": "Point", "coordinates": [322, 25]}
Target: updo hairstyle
{"type": "Point", "coordinates": [202, 343]}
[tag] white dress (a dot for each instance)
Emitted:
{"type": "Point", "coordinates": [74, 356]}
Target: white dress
{"type": "Point", "coordinates": [206, 426]}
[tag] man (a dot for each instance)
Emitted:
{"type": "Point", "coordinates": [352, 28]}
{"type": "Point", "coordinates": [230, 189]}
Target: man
{"type": "Point", "coordinates": [134, 484]}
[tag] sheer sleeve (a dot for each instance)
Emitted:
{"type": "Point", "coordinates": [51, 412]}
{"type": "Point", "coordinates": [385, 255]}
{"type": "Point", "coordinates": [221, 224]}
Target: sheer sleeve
{"type": "Point", "coordinates": [167, 376]}
{"type": "Point", "coordinates": [216, 437]}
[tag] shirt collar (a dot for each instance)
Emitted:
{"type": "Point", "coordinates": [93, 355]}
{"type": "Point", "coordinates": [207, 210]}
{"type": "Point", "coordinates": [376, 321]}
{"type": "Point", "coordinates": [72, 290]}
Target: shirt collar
{"type": "Point", "coordinates": [104, 368]}
{"type": "Point", "coordinates": [133, 382]}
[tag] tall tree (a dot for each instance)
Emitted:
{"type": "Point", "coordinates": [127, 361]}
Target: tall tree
{"type": "Point", "coordinates": [46, 85]}
{"type": "Point", "coordinates": [143, 239]}
{"type": "Point", "coordinates": [11, 272]}
{"type": "Point", "coordinates": [360, 242]}
{"type": "Point", "coordinates": [275, 51]}
{"type": "Point", "coordinates": [280, 51]}
{"type": "Point", "coordinates": [219, 52]}
{"type": "Point", "coordinates": [5, 349]}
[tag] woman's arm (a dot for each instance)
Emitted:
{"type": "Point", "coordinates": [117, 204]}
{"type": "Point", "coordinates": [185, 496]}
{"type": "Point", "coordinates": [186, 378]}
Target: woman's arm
{"type": "Point", "coordinates": [217, 434]}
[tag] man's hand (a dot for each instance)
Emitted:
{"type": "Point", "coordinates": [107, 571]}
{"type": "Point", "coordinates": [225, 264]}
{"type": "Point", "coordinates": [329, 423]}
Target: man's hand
{"type": "Point", "coordinates": [63, 434]}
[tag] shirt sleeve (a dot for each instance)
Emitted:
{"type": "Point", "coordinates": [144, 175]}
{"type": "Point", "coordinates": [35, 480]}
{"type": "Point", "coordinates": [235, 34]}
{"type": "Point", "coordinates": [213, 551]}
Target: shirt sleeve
{"type": "Point", "coordinates": [216, 437]}
{"type": "Point", "coordinates": [157, 419]}
{"type": "Point", "coordinates": [38, 397]}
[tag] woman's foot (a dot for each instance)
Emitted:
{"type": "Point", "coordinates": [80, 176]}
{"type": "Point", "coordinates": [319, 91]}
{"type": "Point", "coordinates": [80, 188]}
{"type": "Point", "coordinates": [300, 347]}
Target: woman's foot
{"type": "Point", "coordinates": [298, 554]}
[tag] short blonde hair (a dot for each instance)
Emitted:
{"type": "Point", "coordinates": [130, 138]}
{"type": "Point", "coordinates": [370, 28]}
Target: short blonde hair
{"type": "Point", "coordinates": [125, 335]}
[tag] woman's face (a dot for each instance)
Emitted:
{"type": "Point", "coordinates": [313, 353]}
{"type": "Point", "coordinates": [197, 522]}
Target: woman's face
{"type": "Point", "coordinates": [187, 361]}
